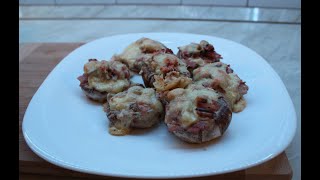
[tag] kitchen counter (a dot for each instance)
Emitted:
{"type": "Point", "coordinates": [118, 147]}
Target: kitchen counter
{"type": "Point", "coordinates": [275, 34]}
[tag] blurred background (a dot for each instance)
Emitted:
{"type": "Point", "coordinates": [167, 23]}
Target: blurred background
{"type": "Point", "coordinates": [272, 28]}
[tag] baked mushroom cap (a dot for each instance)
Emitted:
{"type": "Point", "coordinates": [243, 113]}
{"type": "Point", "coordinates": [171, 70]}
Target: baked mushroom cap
{"type": "Point", "coordinates": [221, 77]}
{"type": "Point", "coordinates": [103, 77]}
{"type": "Point", "coordinates": [196, 55]}
{"type": "Point", "coordinates": [136, 107]}
{"type": "Point", "coordinates": [165, 72]}
{"type": "Point", "coordinates": [140, 51]}
{"type": "Point", "coordinates": [197, 114]}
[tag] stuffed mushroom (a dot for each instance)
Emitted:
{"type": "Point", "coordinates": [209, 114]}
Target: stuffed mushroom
{"type": "Point", "coordinates": [196, 55]}
{"type": "Point", "coordinates": [137, 107]}
{"type": "Point", "coordinates": [103, 77]}
{"type": "Point", "coordinates": [140, 51]}
{"type": "Point", "coordinates": [165, 72]}
{"type": "Point", "coordinates": [197, 114]}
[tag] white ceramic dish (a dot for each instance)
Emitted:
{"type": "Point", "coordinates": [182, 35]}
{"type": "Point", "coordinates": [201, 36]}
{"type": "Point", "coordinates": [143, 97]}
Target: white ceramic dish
{"type": "Point", "coordinates": [63, 127]}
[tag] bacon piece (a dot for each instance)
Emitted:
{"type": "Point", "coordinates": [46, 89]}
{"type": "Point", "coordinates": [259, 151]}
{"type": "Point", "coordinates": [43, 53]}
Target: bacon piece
{"type": "Point", "coordinates": [205, 108]}
{"type": "Point", "coordinates": [83, 79]}
{"type": "Point", "coordinates": [168, 51]}
{"type": "Point", "coordinates": [170, 65]}
{"type": "Point", "coordinates": [216, 86]}
{"type": "Point", "coordinates": [228, 69]}
{"type": "Point", "coordinates": [243, 88]}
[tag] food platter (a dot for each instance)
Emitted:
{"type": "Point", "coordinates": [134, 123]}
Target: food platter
{"type": "Point", "coordinates": [65, 128]}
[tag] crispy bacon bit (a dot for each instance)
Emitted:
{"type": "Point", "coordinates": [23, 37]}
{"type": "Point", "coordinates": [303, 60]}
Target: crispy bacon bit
{"type": "Point", "coordinates": [195, 55]}
{"type": "Point", "coordinates": [173, 63]}
{"type": "Point", "coordinates": [218, 56]}
{"type": "Point", "coordinates": [228, 69]}
{"type": "Point", "coordinates": [144, 108]}
{"type": "Point", "coordinates": [154, 51]}
{"type": "Point", "coordinates": [206, 75]}
{"type": "Point", "coordinates": [140, 107]}
{"type": "Point", "coordinates": [201, 100]}
{"type": "Point", "coordinates": [115, 74]}
{"type": "Point", "coordinates": [126, 72]}
{"type": "Point", "coordinates": [170, 65]}
{"type": "Point", "coordinates": [216, 86]}
{"type": "Point", "coordinates": [206, 46]}
{"type": "Point", "coordinates": [185, 54]}
{"type": "Point", "coordinates": [148, 50]}
{"type": "Point", "coordinates": [191, 64]}
{"type": "Point", "coordinates": [205, 108]}
{"type": "Point", "coordinates": [165, 69]}
{"type": "Point", "coordinates": [208, 53]}
{"type": "Point", "coordinates": [103, 69]}
{"type": "Point", "coordinates": [83, 79]}
{"type": "Point", "coordinates": [123, 68]}
{"type": "Point", "coordinates": [209, 56]}
{"type": "Point", "coordinates": [204, 113]}
{"type": "Point", "coordinates": [168, 51]}
{"type": "Point", "coordinates": [243, 88]}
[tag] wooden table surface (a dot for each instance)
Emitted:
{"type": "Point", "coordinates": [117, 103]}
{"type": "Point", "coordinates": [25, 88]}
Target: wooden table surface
{"type": "Point", "coordinates": [36, 60]}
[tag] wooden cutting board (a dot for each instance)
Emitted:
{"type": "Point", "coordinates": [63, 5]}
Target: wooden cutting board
{"type": "Point", "coordinates": [36, 60]}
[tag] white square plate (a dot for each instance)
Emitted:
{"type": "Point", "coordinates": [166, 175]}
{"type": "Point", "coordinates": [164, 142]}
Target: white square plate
{"type": "Point", "coordinates": [65, 128]}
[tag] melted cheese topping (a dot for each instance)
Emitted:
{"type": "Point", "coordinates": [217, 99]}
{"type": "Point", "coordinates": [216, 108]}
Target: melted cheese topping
{"type": "Point", "coordinates": [139, 49]}
{"type": "Point", "coordinates": [149, 45]}
{"type": "Point", "coordinates": [122, 125]}
{"type": "Point", "coordinates": [170, 72]}
{"type": "Point", "coordinates": [107, 76]}
{"type": "Point", "coordinates": [240, 105]}
{"type": "Point", "coordinates": [162, 60]}
{"type": "Point", "coordinates": [110, 86]}
{"type": "Point", "coordinates": [191, 54]}
{"type": "Point", "coordinates": [198, 61]}
{"type": "Point", "coordinates": [184, 101]}
{"type": "Point", "coordinates": [130, 54]}
{"type": "Point", "coordinates": [170, 81]}
{"type": "Point", "coordinates": [192, 48]}
{"type": "Point", "coordinates": [229, 82]}
{"type": "Point", "coordinates": [135, 94]}
{"type": "Point", "coordinates": [121, 102]}
{"type": "Point", "coordinates": [188, 117]}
